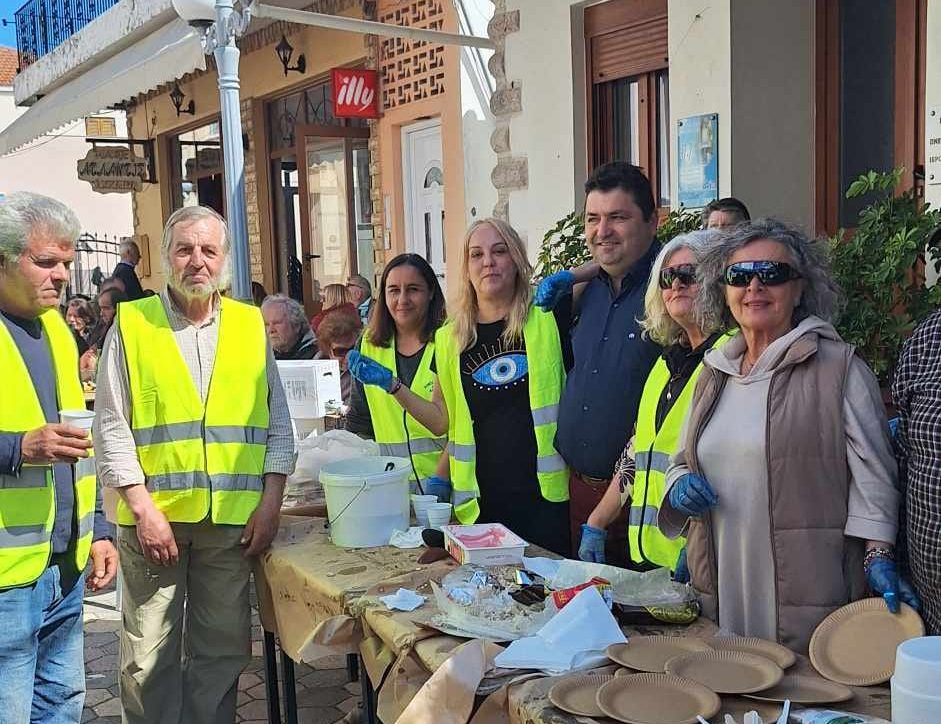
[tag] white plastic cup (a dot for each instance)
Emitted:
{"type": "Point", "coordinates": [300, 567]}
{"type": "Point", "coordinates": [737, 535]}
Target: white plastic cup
{"type": "Point", "coordinates": [77, 418]}
{"type": "Point", "coordinates": [916, 698]}
{"type": "Point", "coordinates": [439, 514]}
{"type": "Point", "coordinates": [420, 505]}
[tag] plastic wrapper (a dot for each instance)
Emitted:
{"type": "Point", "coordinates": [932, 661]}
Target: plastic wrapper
{"type": "Point", "coordinates": [630, 588]}
{"type": "Point", "coordinates": [477, 600]}
{"type": "Point", "coordinates": [303, 485]}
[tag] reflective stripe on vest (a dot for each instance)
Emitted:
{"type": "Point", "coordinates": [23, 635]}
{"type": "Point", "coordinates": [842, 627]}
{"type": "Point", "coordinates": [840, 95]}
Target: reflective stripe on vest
{"type": "Point", "coordinates": [654, 448]}
{"type": "Point", "coordinates": [387, 415]}
{"type": "Point", "coordinates": [546, 380]}
{"type": "Point", "coordinates": [198, 458]}
{"type": "Point", "coordinates": [27, 500]}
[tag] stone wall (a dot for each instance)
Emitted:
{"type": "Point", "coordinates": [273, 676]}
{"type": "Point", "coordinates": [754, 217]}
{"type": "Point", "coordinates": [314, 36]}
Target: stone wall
{"type": "Point", "coordinates": [511, 172]}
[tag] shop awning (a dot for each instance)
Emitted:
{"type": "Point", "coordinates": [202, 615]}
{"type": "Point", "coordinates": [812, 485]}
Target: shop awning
{"type": "Point", "coordinates": [163, 56]}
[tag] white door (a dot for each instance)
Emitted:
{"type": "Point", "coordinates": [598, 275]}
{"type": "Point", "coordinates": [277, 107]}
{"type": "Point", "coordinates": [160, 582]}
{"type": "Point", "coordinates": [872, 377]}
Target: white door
{"type": "Point", "coordinates": [423, 177]}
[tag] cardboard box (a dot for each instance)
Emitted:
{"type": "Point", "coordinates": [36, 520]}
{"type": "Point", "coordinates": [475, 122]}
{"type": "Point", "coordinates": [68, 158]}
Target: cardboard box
{"type": "Point", "coordinates": [507, 553]}
{"type": "Point", "coordinates": [312, 387]}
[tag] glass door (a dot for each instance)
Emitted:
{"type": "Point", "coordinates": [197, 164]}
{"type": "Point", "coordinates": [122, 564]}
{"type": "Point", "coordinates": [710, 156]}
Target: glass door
{"type": "Point", "coordinates": [328, 186]}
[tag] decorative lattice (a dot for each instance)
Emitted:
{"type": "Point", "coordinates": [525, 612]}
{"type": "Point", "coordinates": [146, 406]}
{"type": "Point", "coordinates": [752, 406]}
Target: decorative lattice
{"type": "Point", "coordinates": [412, 70]}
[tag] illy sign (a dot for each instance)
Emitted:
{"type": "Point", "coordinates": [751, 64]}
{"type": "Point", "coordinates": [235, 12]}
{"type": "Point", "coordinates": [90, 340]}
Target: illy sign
{"type": "Point", "coordinates": [355, 93]}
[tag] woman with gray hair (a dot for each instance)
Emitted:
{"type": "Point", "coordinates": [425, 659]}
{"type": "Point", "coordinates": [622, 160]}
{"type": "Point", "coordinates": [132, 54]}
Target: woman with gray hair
{"type": "Point", "coordinates": [670, 320]}
{"type": "Point", "coordinates": [785, 485]}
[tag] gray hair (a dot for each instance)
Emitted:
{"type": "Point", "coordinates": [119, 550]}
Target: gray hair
{"type": "Point", "coordinates": [129, 245]}
{"type": "Point", "coordinates": [188, 215]}
{"type": "Point", "coordinates": [22, 213]}
{"type": "Point", "coordinates": [292, 309]}
{"type": "Point", "coordinates": [363, 282]}
{"type": "Point", "coordinates": [657, 322]}
{"type": "Point", "coordinates": [821, 296]}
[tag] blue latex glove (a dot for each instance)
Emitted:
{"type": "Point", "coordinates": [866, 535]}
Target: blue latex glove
{"type": "Point", "coordinates": [368, 371]}
{"type": "Point", "coordinates": [681, 572]}
{"type": "Point", "coordinates": [553, 288]}
{"type": "Point", "coordinates": [884, 580]}
{"type": "Point", "coordinates": [438, 486]}
{"type": "Point", "coordinates": [591, 548]}
{"type": "Point", "coordinates": [691, 495]}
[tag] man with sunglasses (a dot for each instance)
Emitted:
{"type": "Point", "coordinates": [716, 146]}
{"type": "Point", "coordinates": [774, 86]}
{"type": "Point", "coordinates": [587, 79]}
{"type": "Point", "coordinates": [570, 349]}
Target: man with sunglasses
{"type": "Point", "coordinates": [612, 356]}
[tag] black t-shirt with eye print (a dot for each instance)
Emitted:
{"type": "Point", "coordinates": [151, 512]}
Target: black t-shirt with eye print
{"type": "Point", "coordinates": [495, 379]}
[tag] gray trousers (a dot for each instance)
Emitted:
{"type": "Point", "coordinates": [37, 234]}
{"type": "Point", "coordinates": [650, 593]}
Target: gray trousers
{"type": "Point", "coordinates": [187, 628]}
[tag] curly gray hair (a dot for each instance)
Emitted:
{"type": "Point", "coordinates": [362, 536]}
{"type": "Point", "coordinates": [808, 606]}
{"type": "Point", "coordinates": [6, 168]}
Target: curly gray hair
{"type": "Point", "coordinates": [821, 296]}
{"type": "Point", "coordinates": [657, 322]}
{"type": "Point", "coordinates": [292, 310]}
{"type": "Point", "coordinates": [22, 212]}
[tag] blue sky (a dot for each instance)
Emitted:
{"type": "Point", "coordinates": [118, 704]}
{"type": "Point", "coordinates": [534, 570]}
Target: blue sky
{"type": "Point", "coordinates": [8, 33]}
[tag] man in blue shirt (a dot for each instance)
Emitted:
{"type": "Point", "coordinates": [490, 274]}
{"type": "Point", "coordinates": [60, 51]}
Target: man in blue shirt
{"type": "Point", "coordinates": [612, 357]}
{"type": "Point", "coordinates": [41, 641]}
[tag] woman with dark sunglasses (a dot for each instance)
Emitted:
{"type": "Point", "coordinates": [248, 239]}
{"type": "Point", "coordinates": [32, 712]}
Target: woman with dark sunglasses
{"type": "Point", "coordinates": [670, 320]}
{"type": "Point", "coordinates": [785, 486]}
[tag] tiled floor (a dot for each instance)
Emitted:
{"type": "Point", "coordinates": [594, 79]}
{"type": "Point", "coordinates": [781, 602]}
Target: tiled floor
{"type": "Point", "coordinates": [324, 695]}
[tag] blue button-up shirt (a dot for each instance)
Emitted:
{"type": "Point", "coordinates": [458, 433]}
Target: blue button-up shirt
{"type": "Point", "coordinates": [612, 361]}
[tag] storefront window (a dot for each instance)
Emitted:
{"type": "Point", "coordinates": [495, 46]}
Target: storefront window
{"type": "Point", "coordinates": [197, 168]}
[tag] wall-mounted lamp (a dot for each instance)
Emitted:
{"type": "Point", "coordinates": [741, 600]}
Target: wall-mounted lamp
{"type": "Point", "coordinates": [176, 97]}
{"type": "Point", "coordinates": [285, 50]}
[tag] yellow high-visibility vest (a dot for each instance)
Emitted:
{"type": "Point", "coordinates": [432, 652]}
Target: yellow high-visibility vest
{"type": "Point", "coordinates": [197, 458]}
{"type": "Point", "coordinates": [28, 500]}
{"type": "Point", "coordinates": [397, 432]}
{"type": "Point", "coordinates": [653, 449]}
{"type": "Point", "coordinates": [546, 380]}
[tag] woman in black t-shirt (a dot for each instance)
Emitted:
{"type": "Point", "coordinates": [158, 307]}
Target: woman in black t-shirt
{"type": "Point", "coordinates": [501, 369]}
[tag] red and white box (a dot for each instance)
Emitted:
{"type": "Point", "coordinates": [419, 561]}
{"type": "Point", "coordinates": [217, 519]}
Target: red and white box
{"type": "Point", "coordinates": [486, 544]}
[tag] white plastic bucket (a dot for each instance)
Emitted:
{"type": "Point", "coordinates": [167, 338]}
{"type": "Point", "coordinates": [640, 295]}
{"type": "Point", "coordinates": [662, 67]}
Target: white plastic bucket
{"type": "Point", "coordinates": [367, 499]}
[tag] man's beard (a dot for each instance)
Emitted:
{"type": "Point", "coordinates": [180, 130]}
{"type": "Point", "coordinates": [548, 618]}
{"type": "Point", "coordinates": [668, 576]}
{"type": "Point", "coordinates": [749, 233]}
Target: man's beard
{"type": "Point", "coordinates": [219, 283]}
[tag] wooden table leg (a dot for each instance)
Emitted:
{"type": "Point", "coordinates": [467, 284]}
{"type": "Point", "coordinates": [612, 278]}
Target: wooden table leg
{"type": "Point", "coordinates": [271, 679]}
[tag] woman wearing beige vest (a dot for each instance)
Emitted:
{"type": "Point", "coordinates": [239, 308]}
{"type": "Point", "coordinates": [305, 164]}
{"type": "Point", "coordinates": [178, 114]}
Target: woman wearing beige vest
{"type": "Point", "coordinates": [785, 483]}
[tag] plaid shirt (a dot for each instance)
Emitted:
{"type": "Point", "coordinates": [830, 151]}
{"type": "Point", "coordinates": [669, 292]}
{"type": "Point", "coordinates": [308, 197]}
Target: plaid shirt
{"type": "Point", "coordinates": [917, 393]}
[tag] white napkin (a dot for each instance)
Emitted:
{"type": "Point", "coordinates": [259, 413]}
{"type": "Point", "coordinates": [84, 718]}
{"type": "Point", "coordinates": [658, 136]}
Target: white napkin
{"type": "Point", "coordinates": [575, 637]}
{"type": "Point", "coordinates": [410, 538]}
{"type": "Point", "coordinates": [403, 600]}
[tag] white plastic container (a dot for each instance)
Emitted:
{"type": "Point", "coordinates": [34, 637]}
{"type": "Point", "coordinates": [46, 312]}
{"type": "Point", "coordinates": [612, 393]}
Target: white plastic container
{"type": "Point", "coordinates": [367, 499]}
{"type": "Point", "coordinates": [916, 684]}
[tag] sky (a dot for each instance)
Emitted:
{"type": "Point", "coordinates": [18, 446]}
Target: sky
{"type": "Point", "coordinates": [8, 33]}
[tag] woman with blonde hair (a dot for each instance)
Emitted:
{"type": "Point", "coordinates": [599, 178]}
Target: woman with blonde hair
{"type": "Point", "coordinates": [335, 297]}
{"type": "Point", "coordinates": [501, 366]}
{"type": "Point", "coordinates": [669, 320]}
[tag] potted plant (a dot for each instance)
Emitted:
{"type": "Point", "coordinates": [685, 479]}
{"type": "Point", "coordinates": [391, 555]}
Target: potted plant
{"type": "Point", "coordinates": [881, 269]}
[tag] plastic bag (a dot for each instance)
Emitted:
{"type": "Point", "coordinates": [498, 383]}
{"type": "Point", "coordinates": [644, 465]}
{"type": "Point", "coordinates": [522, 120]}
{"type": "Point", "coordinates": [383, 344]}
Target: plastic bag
{"type": "Point", "coordinates": [631, 588]}
{"type": "Point", "coordinates": [303, 485]}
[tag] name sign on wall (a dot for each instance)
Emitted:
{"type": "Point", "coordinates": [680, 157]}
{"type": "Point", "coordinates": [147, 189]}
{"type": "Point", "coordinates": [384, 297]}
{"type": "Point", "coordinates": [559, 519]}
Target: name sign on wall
{"type": "Point", "coordinates": [355, 93]}
{"type": "Point", "coordinates": [113, 170]}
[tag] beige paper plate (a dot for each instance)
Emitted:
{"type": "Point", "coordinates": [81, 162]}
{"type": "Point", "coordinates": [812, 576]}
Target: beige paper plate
{"type": "Point", "coordinates": [805, 690]}
{"type": "Point", "coordinates": [855, 645]}
{"type": "Point", "coordinates": [656, 699]}
{"type": "Point", "coordinates": [727, 672]}
{"type": "Point", "coordinates": [651, 653]}
{"type": "Point", "coordinates": [781, 655]}
{"type": "Point", "coordinates": [577, 694]}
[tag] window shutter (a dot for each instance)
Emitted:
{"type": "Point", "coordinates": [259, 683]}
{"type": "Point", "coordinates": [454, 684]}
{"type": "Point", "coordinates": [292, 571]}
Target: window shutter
{"type": "Point", "coordinates": [638, 48]}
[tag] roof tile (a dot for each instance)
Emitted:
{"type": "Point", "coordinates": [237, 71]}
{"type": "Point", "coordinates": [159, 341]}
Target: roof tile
{"type": "Point", "coordinates": [8, 65]}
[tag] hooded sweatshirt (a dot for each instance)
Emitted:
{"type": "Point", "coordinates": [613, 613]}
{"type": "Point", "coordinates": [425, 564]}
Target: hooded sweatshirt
{"type": "Point", "coordinates": [733, 458]}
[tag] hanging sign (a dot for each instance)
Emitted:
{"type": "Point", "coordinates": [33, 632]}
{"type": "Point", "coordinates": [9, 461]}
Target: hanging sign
{"type": "Point", "coordinates": [113, 170]}
{"type": "Point", "coordinates": [697, 146]}
{"type": "Point", "coordinates": [355, 93]}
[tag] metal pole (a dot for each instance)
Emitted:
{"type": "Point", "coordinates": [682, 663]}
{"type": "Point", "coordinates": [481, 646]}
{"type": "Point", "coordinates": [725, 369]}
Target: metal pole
{"type": "Point", "coordinates": [227, 54]}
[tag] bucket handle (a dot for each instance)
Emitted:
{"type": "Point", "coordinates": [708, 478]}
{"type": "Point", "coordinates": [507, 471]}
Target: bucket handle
{"type": "Point", "coordinates": [331, 521]}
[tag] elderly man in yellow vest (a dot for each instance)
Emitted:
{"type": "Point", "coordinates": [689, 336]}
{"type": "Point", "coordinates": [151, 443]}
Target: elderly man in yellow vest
{"type": "Point", "coordinates": [196, 437]}
{"type": "Point", "coordinates": [50, 521]}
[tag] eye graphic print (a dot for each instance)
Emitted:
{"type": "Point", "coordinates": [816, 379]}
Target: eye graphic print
{"type": "Point", "coordinates": [502, 370]}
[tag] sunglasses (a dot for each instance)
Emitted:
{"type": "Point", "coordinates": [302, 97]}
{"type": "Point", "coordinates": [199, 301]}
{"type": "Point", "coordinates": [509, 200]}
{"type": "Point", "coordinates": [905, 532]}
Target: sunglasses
{"type": "Point", "coordinates": [339, 352]}
{"type": "Point", "coordinates": [685, 274]}
{"type": "Point", "coordinates": [769, 273]}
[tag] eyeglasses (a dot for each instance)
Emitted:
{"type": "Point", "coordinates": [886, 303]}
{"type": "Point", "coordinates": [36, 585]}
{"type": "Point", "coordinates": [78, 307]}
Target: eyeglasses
{"type": "Point", "coordinates": [339, 352]}
{"type": "Point", "coordinates": [769, 273]}
{"type": "Point", "coordinates": [685, 274]}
